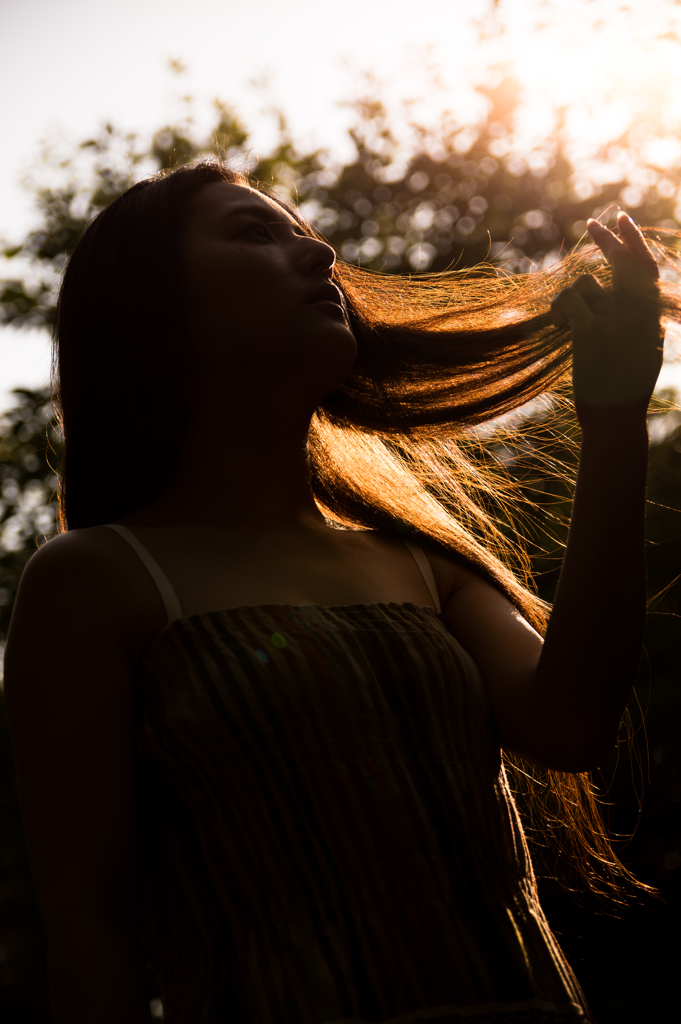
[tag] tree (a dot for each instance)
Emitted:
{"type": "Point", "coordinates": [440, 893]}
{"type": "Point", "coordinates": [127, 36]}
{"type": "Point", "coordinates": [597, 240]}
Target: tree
{"type": "Point", "coordinates": [451, 195]}
{"type": "Point", "coordinates": [29, 446]}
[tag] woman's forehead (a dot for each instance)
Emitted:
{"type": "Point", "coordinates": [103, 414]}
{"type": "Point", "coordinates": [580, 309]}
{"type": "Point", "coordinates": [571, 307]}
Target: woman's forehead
{"type": "Point", "coordinates": [219, 199]}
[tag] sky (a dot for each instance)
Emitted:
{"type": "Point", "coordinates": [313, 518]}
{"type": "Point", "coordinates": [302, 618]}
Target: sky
{"type": "Point", "coordinates": [68, 65]}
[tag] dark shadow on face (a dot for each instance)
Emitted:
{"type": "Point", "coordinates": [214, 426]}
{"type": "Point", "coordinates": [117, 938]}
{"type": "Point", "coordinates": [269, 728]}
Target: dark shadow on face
{"type": "Point", "coordinates": [264, 309]}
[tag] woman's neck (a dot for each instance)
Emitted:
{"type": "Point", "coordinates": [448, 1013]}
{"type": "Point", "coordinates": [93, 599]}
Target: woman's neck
{"type": "Point", "coordinates": [246, 469]}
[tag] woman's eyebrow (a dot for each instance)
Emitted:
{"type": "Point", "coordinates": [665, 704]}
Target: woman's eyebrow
{"type": "Point", "coordinates": [257, 210]}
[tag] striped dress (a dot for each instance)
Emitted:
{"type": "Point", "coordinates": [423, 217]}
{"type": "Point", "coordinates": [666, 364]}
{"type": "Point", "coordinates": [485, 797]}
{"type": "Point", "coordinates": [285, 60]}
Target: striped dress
{"type": "Point", "coordinates": [328, 833]}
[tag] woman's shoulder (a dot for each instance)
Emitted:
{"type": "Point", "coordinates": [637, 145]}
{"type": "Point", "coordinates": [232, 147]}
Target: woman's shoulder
{"type": "Point", "coordinates": [451, 568]}
{"type": "Point", "coordinates": [90, 576]}
{"type": "Point", "coordinates": [76, 563]}
{"type": "Point", "coordinates": [86, 546]}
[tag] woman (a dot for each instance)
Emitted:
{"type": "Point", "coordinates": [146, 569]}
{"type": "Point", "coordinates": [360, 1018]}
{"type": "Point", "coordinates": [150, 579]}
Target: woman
{"type": "Point", "coordinates": [256, 717]}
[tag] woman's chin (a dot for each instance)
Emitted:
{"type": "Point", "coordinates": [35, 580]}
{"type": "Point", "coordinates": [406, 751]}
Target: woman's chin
{"type": "Point", "coordinates": [339, 360]}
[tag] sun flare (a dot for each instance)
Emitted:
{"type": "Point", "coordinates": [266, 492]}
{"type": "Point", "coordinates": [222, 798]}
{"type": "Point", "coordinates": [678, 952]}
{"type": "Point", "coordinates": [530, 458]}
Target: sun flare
{"type": "Point", "coordinates": [605, 64]}
{"type": "Point", "coordinates": [597, 67]}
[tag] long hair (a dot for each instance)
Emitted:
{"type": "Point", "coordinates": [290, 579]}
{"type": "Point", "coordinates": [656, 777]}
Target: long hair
{"type": "Point", "coordinates": [392, 448]}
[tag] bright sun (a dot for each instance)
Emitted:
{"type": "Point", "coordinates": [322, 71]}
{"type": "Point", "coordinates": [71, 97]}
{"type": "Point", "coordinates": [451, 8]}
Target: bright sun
{"type": "Point", "coordinates": [607, 71]}
{"type": "Point", "coordinates": [608, 63]}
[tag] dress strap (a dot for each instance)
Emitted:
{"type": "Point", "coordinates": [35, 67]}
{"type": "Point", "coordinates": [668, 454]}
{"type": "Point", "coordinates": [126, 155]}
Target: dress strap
{"type": "Point", "coordinates": [419, 557]}
{"type": "Point", "coordinates": [165, 587]}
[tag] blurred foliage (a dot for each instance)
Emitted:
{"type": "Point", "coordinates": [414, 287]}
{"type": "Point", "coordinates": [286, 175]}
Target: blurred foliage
{"type": "Point", "coordinates": [446, 195]}
{"type": "Point", "coordinates": [29, 444]}
{"type": "Point", "coordinates": [425, 198]}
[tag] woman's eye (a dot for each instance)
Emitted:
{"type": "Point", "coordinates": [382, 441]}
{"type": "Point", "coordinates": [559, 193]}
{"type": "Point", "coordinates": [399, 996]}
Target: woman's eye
{"type": "Point", "coordinates": [256, 228]}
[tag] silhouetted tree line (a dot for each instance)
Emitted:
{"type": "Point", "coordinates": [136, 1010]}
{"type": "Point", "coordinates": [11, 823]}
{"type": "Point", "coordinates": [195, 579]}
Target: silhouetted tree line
{"type": "Point", "coordinates": [449, 195]}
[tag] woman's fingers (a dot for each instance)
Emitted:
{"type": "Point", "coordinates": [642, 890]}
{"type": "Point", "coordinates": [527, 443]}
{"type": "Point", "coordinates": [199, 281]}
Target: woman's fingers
{"type": "Point", "coordinates": [571, 304]}
{"type": "Point", "coordinates": [633, 239]}
{"type": "Point", "coordinates": [587, 285]}
{"type": "Point", "coordinates": [633, 265]}
{"type": "Point", "coordinates": [616, 334]}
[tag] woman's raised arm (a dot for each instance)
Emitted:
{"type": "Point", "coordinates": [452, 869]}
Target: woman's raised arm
{"type": "Point", "coordinates": [561, 704]}
{"type": "Point", "coordinates": [70, 703]}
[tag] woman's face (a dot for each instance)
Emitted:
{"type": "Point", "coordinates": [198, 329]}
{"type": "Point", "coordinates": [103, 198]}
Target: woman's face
{"type": "Point", "coordinates": [264, 309]}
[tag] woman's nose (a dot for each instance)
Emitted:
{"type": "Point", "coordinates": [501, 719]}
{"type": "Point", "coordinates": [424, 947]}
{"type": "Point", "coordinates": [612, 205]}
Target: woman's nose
{"type": "Point", "coordinates": [318, 256]}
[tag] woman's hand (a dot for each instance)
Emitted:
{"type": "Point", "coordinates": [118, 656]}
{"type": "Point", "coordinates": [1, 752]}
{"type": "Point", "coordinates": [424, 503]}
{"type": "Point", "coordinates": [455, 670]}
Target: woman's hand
{"type": "Point", "coordinates": [617, 340]}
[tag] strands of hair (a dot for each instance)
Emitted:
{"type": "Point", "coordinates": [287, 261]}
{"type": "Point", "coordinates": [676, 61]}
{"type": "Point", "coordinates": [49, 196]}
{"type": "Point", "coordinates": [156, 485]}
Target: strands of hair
{"type": "Point", "coordinates": [393, 448]}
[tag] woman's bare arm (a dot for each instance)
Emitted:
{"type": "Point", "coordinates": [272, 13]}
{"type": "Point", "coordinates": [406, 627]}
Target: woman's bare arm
{"type": "Point", "coordinates": [560, 703]}
{"type": "Point", "coordinates": [70, 702]}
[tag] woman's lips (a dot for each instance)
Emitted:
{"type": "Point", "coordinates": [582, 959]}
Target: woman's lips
{"type": "Point", "coordinates": [330, 308]}
{"type": "Point", "coordinates": [326, 293]}
{"type": "Point", "coordinates": [329, 298]}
